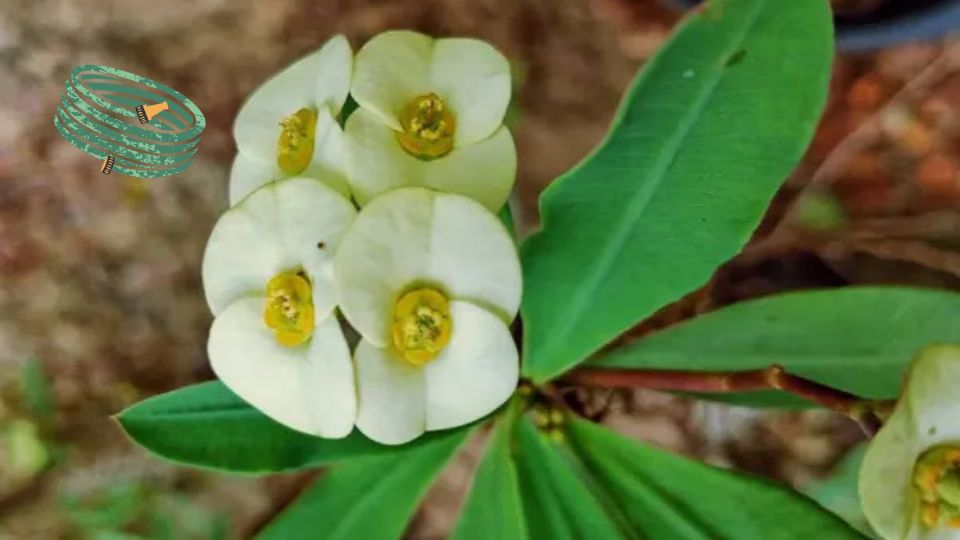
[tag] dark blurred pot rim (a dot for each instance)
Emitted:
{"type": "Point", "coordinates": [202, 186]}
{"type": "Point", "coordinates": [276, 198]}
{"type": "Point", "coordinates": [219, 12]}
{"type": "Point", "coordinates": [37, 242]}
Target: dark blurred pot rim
{"type": "Point", "coordinates": [900, 21]}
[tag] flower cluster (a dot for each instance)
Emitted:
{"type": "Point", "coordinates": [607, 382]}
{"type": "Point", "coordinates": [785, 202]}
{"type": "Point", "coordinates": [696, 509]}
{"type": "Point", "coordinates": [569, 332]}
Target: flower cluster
{"type": "Point", "coordinates": [361, 277]}
{"type": "Point", "coordinates": [910, 477]}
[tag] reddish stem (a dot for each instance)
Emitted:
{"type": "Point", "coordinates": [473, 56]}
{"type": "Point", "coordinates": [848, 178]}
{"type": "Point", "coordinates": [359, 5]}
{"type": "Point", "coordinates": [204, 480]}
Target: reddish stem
{"type": "Point", "coordinates": [770, 378]}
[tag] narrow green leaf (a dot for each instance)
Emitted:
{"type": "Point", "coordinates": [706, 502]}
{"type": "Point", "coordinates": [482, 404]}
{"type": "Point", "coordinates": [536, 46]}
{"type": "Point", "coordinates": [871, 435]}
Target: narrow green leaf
{"type": "Point", "coordinates": [667, 497]}
{"type": "Point", "coordinates": [36, 389]}
{"type": "Point", "coordinates": [208, 426]}
{"type": "Point", "coordinates": [702, 140]}
{"type": "Point", "coordinates": [529, 486]}
{"type": "Point", "coordinates": [557, 503]}
{"type": "Point", "coordinates": [493, 508]}
{"type": "Point", "coordinates": [371, 498]}
{"type": "Point", "coordinates": [857, 339]}
{"type": "Point", "coordinates": [506, 217]}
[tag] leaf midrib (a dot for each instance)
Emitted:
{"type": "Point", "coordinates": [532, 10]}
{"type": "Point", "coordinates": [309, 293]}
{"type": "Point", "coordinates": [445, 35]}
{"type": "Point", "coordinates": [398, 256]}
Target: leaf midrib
{"type": "Point", "coordinates": [233, 411]}
{"type": "Point", "coordinates": [640, 202]}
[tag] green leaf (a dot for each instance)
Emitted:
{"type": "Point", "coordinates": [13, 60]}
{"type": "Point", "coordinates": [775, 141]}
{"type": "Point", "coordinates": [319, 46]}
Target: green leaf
{"type": "Point", "coordinates": [506, 217]}
{"type": "Point", "coordinates": [857, 339]}
{"type": "Point", "coordinates": [702, 140]}
{"type": "Point", "coordinates": [36, 389]}
{"type": "Point", "coordinates": [557, 503]}
{"type": "Point", "coordinates": [208, 426]}
{"type": "Point", "coordinates": [493, 508]}
{"type": "Point", "coordinates": [349, 106]}
{"type": "Point", "coordinates": [370, 498]}
{"type": "Point", "coordinates": [667, 497]}
{"type": "Point", "coordinates": [107, 507]}
{"type": "Point", "coordinates": [116, 535]}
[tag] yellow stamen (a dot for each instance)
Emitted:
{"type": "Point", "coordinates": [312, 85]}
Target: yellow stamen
{"type": "Point", "coordinates": [295, 145]}
{"type": "Point", "coordinates": [936, 483]}
{"type": "Point", "coordinates": [421, 325]}
{"type": "Point", "coordinates": [930, 515]}
{"type": "Point", "coordinates": [926, 479]}
{"type": "Point", "coordinates": [428, 127]}
{"type": "Point", "coordinates": [289, 309]}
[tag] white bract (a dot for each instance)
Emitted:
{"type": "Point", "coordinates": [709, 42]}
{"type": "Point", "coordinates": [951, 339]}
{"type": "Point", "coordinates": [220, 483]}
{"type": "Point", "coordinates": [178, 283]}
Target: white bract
{"type": "Point", "coordinates": [910, 478]}
{"type": "Point", "coordinates": [267, 275]}
{"type": "Point", "coordinates": [431, 114]}
{"type": "Point", "coordinates": [431, 281]}
{"type": "Point", "coordinates": [288, 127]}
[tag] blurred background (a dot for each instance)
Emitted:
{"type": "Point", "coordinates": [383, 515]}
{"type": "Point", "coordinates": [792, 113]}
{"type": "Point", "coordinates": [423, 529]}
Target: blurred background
{"type": "Point", "coordinates": [100, 294]}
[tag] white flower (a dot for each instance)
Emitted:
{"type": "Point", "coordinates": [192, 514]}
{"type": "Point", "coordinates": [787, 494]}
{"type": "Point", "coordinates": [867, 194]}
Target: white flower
{"type": "Point", "coordinates": [431, 115]}
{"type": "Point", "coordinates": [910, 478]}
{"type": "Point", "coordinates": [288, 126]}
{"type": "Point", "coordinates": [267, 275]}
{"type": "Point", "coordinates": [431, 282]}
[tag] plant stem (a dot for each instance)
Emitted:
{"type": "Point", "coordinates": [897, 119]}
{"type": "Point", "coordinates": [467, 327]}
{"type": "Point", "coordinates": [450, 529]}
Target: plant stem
{"type": "Point", "coordinates": [770, 378]}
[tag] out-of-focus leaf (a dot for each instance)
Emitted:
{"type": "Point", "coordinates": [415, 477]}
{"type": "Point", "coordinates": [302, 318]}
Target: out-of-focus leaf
{"type": "Point", "coordinates": [36, 390]}
{"type": "Point", "coordinates": [820, 212]}
{"type": "Point", "coordinates": [175, 516]}
{"type": "Point", "coordinates": [118, 535]}
{"type": "Point", "coordinates": [107, 507]}
{"type": "Point", "coordinates": [22, 450]}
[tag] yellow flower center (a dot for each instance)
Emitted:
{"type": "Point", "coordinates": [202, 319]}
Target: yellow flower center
{"type": "Point", "coordinates": [936, 479]}
{"type": "Point", "coordinates": [421, 325]}
{"type": "Point", "coordinates": [428, 127]}
{"type": "Point", "coordinates": [289, 309]}
{"type": "Point", "coordinates": [295, 145]}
